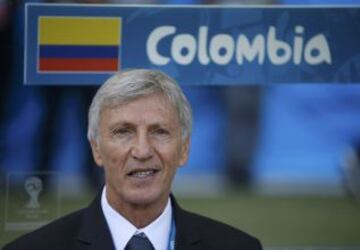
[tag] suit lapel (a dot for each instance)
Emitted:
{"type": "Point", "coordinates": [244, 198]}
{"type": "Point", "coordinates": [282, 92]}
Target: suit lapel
{"type": "Point", "coordinates": [94, 233]}
{"type": "Point", "coordinates": [187, 233]}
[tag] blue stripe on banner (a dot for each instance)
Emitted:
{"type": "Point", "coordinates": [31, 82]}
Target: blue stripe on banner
{"type": "Point", "coordinates": [75, 51]}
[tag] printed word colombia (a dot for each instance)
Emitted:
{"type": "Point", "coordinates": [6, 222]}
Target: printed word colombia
{"type": "Point", "coordinates": [221, 48]}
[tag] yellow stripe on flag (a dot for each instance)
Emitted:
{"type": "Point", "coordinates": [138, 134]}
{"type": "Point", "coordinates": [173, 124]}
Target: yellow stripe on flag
{"type": "Point", "coordinates": [79, 31]}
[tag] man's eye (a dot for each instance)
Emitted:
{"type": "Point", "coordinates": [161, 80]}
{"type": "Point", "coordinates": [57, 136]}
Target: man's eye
{"type": "Point", "coordinates": [121, 131]}
{"type": "Point", "coordinates": [161, 131]}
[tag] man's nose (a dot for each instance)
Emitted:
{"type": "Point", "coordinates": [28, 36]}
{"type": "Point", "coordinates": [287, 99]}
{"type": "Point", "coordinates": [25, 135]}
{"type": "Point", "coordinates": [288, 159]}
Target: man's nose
{"type": "Point", "coordinates": [142, 149]}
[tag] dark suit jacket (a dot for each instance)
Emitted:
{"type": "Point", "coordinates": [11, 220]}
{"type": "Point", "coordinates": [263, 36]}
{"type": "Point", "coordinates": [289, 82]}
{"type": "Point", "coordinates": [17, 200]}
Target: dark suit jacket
{"type": "Point", "coordinates": [87, 229]}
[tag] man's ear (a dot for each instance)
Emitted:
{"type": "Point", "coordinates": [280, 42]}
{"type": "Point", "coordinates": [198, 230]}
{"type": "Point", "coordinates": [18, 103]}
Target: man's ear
{"type": "Point", "coordinates": [96, 152]}
{"type": "Point", "coordinates": [185, 151]}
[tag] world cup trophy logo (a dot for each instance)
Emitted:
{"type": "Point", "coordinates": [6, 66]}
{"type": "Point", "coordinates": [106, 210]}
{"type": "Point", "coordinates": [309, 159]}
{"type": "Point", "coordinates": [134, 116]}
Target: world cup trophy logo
{"type": "Point", "coordinates": [33, 187]}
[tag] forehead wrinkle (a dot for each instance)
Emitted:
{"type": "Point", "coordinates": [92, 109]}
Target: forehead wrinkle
{"type": "Point", "coordinates": [165, 114]}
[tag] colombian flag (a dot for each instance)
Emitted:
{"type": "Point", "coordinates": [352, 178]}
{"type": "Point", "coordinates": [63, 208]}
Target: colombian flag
{"type": "Point", "coordinates": [78, 44]}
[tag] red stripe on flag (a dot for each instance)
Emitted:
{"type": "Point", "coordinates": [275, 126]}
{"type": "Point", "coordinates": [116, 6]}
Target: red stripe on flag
{"type": "Point", "coordinates": [86, 64]}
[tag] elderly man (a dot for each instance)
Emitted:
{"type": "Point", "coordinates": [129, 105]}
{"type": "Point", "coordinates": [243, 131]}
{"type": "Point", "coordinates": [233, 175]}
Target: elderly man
{"type": "Point", "coordinates": [139, 131]}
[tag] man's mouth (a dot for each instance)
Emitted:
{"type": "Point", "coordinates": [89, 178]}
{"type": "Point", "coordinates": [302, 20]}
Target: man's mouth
{"type": "Point", "coordinates": [142, 173]}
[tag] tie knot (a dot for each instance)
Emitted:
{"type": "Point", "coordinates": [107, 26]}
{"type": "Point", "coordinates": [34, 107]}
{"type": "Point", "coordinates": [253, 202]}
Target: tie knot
{"type": "Point", "coordinates": [139, 242]}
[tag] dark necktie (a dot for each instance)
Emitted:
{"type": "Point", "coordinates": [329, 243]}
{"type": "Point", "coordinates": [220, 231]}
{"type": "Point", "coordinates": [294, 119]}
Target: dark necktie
{"type": "Point", "coordinates": [139, 242]}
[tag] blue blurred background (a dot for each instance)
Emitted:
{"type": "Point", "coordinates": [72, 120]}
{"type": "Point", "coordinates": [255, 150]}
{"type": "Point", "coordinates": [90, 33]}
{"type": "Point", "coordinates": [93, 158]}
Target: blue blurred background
{"type": "Point", "coordinates": [277, 138]}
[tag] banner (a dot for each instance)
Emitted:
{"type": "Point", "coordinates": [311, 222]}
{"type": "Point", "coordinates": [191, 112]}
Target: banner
{"type": "Point", "coordinates": [69, 44]}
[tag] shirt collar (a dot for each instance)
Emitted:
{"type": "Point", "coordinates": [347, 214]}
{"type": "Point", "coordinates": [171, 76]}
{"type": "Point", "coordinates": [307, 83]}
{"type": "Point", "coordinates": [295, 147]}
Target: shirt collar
{"type": "Point", "coordinates": [158, 231]}
{"type": "Point", "coordinates": [122, 230]}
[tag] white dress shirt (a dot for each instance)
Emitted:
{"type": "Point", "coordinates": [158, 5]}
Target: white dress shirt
{"type": "Point", "coordinates": [122, 230]}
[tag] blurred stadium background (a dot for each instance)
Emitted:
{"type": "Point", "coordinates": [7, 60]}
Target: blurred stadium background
{"type": "Point", "coordinates": [280, 161]}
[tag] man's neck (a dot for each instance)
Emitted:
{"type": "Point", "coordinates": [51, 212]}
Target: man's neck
{"type": "Point", "coordinates": [140, 215]}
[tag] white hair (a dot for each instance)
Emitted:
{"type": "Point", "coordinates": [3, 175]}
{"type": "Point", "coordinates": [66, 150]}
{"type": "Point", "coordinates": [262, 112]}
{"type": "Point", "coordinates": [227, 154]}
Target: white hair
{"type": "Point", "coordinates": [128, 85]}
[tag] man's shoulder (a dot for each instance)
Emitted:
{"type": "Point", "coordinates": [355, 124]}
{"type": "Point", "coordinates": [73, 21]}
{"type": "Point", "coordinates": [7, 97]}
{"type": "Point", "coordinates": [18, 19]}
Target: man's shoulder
{"type": "Point", "coordinates": [218, 234]}
{"type": "Point", "coordinates": [53, 234]}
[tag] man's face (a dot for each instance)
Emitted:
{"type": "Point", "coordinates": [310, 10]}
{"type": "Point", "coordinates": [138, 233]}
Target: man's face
{"type": "Point", "coordinates": [140, 148]}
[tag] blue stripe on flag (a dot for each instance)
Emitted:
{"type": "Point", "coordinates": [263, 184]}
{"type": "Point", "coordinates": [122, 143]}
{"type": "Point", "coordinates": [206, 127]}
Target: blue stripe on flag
{"type": "Point", "coordinates": [75, 51]}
